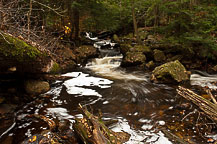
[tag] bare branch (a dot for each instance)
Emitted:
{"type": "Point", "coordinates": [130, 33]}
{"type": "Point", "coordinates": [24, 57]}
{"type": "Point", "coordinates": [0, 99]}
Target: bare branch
{"type": "Point", "coordinates": [48, 7]}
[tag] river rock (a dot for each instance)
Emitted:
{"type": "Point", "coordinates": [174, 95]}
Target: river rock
{"type": "Point", "coordinates": [2, 99]}
{"type": "Point", "coordinates": [124, 48]}
{"type": "Point", "coordinates": [170, 57]}
{"type": "Point", "coordinates": [85, 52]}
{"type": "Point", "coordinates": [133, 59]}
{"type": "Point", "coordinates": [22, 56]}
{"type": "Point", "coordinates": [150, 64]}
{"type": "Point", "coordinates": [170, 72]}
{"type": "Point", "coordinates": [116, 38]}
{"type": "Point", "coordinates": [140, 48]}
{"type": "Point", "coordinates": [214, 68]}
{"type": "Point", "coordinates": [36, 87]}
{"type": "Point", "coordinates": [159, 55]}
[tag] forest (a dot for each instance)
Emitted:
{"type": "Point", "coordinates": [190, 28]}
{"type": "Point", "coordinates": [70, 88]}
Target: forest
{"type": "Point", "coordinates": [108, 71]}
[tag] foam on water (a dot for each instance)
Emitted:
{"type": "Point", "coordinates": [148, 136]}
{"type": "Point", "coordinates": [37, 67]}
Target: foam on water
{"type": "Point", "coordinates": [137, 136]}
{"type": "Point", "coordinates": [197, 79]}
{"type": "Point", "coordinates": [82, 84]}
{"type": "Point", "coordinates": [107, 66]}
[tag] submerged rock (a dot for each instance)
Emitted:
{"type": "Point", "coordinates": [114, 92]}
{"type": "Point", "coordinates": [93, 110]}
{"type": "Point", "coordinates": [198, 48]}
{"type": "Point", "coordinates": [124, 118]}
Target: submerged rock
{"type": "Point", "coordinates": [159, 55]}
{"type": "Point", "coordinates": [170, 72]}
{"type": "Point", "coordinates": [35, 87]}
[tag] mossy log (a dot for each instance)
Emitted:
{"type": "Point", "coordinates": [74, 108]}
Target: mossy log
{"type": "Point", "coordinates": [209, 108]}
{"type": "Point", "coordinates": [92, 130]}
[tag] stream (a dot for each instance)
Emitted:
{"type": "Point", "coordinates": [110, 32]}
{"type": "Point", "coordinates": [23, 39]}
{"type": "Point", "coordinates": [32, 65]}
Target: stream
{"type": "Point", "coordinates": [143, 109]}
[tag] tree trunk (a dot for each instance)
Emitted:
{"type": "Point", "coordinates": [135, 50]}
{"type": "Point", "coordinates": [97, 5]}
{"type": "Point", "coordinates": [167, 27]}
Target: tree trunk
{"type": "Point", "coordinates": [135, 23]}
{"type": "Point", "coordinates": [76, 16]}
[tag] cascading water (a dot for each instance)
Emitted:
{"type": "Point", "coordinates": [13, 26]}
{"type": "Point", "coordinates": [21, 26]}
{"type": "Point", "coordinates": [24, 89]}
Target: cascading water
{"type": "Point", "coordinates": [142, 109]}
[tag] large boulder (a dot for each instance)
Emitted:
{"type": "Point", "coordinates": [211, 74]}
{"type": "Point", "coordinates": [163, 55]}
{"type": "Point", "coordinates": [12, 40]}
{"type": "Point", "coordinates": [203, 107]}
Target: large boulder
{"type": "Point", "coordinates": [36, 87]}
{"type": "Point", "coordinates": [159, 55]}
{"type": "Point", "coordinates": [170, 72]}
{"type": "Point", "coordinates": [15, 52]}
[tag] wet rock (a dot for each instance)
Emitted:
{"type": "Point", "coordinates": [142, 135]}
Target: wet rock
{"type": "Point", "coordinates": [151, 39]}
{"type": "Point", "coordinates": [85, 52]}
{"type": "Point", "coordinates": [173, 58]}
{"type": "Point", "coordinates": [7, 108]}
{"type": "Point", "coordinates": [159, 55]}
{"type": "Point", "coordinates": [36, 139]}
{"type": "Point", "coordinates": [2, 99]}
{"type": "Point", "coordinates": [124, 48]}
{"type": "Point", "coordinates": [35, 87]}
{"type": "Point", "coordinates": [150, 64]}
{"type": "Point", "coordinates": [133, 59]}
{"type": "Point", "coordinates": [214, 68]}
{"type": "Point", "coordinates": [116, 38]}
{"type": "Point", "coordinates": [170, 72]}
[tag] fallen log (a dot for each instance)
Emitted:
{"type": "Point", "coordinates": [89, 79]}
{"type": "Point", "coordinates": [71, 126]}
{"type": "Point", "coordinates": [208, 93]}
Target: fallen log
{"type": "Point", "coordinates": [209, 108]}
{"type": "Point", "coordinates": [92, 130]}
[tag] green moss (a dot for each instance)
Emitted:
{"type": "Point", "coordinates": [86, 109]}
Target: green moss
{"type": "Point", "coordinates": [172, 69]}
{"type": "Point", "coordinates": [55, 68]}
{"type": "Point", "coordinates": [133, 57]}
{"type": "Point", "coordinates": [18, 49]}
{"type": "Point", "coordinates": [141, 48]}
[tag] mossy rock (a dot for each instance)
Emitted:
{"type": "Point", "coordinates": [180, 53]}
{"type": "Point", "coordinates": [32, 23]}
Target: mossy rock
{"type": "Point", "coordinates": [150, 64]}
{"type": "Point", "coordinates": [116, 38]}
{"type": "Point", "coordinates": [17, 49]}
{"type": "Point", "coordinates": [55, 68]}
{"type": "Point", "coordinates": [173, 58]}
{"type": "Point", "coordinates": [140, 48]}
{"type": "Point", "coordinates": [134, 59]}
{"type": "Point", "coordinates": [124, 48]}
{"type": "Point", "coordinates": [36, 87]}
{"type": "Point", "coordinates": [170, 72]}
{"type": "Point", "coordinates": [85, 52]}
{"type": "Point", "coordinates": [26, 58]}
{"type": "Point", "coordinates": [159, 55]}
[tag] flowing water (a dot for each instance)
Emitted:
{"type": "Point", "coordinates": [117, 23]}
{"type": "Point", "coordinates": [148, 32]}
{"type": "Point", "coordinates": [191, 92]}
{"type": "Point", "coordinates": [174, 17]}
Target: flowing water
{"type": "Point", "coordinates": [143, 109]}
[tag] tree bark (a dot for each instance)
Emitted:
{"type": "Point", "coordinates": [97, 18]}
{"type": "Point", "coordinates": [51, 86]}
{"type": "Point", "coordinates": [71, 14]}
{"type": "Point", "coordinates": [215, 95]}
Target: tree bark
{"type": "Point", "coordinates": [76, 16]}
{"type": "Point", "coordinates": [135, 23]}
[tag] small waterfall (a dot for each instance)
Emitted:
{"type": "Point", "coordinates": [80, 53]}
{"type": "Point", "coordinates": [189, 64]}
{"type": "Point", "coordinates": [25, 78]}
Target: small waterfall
{"type": "Point", "coordinates": [204, 79]}
{"type": "Point", "coordinates": [108, 65]}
